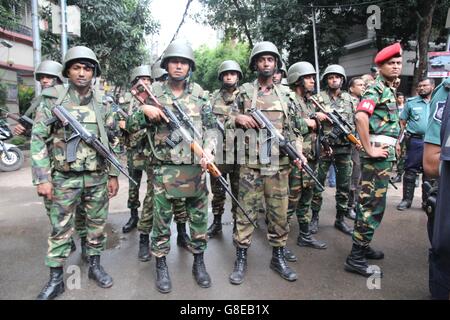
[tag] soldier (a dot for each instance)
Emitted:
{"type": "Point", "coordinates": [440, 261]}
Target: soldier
{"type": "Point", "coordinates": [158, 73]}
{"type": "Point", "coordinates": [334, 98]}
{"type": "Point", "coordinates": [301, 77]}
{"type": "Point", "coordinates": [280, 74]}
{"type": "Point", "coordinates": [436, 164]}
{"type": "Point", "coordinates": [135, 144]}
{"type": "Point", "coordinates": [413, 120]}
{"type": "Point", "coordinates": [174, 181]}
{"type": "Point", "coordinates": [400, 166]}
{"type": "Point", "coordinates": [263, 181]}
{"type": "Point", "coordinates": [378, 127]}
{"type": "Point", "coordinates": [87, 182]}
{"type": "Point", "coordinates": [356, 87]}
{"type": "Point", "coordinates": [222, 102]}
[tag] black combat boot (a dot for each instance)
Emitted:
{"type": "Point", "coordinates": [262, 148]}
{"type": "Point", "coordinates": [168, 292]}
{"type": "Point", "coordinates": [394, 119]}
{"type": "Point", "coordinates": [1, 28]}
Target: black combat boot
{"type": "Point", "coordinates": [182, 237]}
{"type": "Point", "coordinates": [409, 184]}
{"type": "Point", "coordinates": [289, 255]}
{"type": "Point", "coordinates": [216, 227]}
{"type": "Point", "coordinates": [98, 274]}
{"type": "Point", "coordinates": [163, 283]}
{"type": "Point", "coordinates": [199, 271]}
{"type": "Point", "coordinates": [83, 244]}
{"type": "Point", "coordinates": [55, 285]}
{"type": "Point", "coordinates": [350, 213]}
{"type": "Point", "coordinates": [279, 265]}
{"type": "Point", "coordinates": [132, 222]}
{"type": "Point", "coordinates": [373, 254]}
{"type": "Point", "coordinates": [73, 246]}
{"type": "Point", "coordinates": [357, 263]}
{"type": "Point", "coordinates": [341, 225]}
{"type": "Point", "coordinates": [240, 266]}
{"type": "Point", "coordinates": [144, 248]}
{"type": "Point", "coordinates": [305, 238]}
{"type": "Point", "coordinates": [314, 224]}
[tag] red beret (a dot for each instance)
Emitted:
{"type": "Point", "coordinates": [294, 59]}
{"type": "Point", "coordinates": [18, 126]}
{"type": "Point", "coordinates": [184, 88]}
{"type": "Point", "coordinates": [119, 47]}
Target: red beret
{"type": "Point", "coordinates": [388, 52]}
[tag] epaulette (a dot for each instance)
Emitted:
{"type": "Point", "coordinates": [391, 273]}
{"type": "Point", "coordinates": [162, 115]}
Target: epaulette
{"type": "Point", "coordinates": [378, 86]}
{"type": "Point", "coordinates": [197, 91]}
{"type": "Point", "coordinates": [247, 88]}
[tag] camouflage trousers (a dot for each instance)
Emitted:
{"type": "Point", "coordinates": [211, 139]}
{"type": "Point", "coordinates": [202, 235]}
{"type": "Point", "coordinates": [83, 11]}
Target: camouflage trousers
{"type": "Point", "coordinates": [80, 218]}
{"type": "Point", "coordinates": [255, 185]}
{"type": "Point", "coordinates": [372, 199]}
{"type": "Point", "coordinates": [133, 190]}
{"type": "Point", "coordinates": [343, 164]}
{"type": "Point", "coordinates": [301, 190]}
{"type": "Point", "coordinates": [145, 223]}
{"type": "Point", "coordinates": [219, 194]}
{"type": "Point", "coordinates": [196, 206]}
{"type": "Point", "coordinates": [90, 195]}
{"type": "Point", "coordinates": [401, 158]}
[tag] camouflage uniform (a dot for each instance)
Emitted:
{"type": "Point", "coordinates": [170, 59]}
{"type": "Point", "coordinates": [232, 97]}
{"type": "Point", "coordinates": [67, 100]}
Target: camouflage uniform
{"type": "Point", "coordinates": [344, 104]}
{"type": "Point", "coordinates": [174, 181]}
{"type": "Point", "coordinates": [222, 103]}
{"type": "Point", "coordinates": [79, 184]}
{"type": "Point", "coordinates": [375, 172]}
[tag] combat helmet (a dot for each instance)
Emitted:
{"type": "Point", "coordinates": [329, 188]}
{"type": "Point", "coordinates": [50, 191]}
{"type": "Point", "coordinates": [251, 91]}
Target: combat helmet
{"type": "Point", "coordinates": [180, 49]}
{"type": "Point", "coordinates": [141, 71]}
{"type": "Point", "coordinates": [261, 48]}
{"type": "Point", "coordinates": [49, 67]}
{"type": "Point", "coordinates": [229, 65]}
{"type": "Point", "coordinates": [299, 69]}
{"type": "Point", "coordinates": [334, 68]}
{"type": "Point", "coordinates": [157, 71]}
{"type": "Point", "coordinates": [83, 53]}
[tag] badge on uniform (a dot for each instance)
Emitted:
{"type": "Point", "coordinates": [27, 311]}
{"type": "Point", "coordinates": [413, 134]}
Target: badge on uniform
{"type": "Point", "coordinates": [440, 106]}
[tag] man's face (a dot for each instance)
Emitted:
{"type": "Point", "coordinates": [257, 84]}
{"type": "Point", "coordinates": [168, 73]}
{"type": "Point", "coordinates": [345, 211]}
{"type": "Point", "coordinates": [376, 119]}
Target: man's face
{"type": "Point", "coordinates": [178, 68]}
{"type": "Point", "coordinates": [424, 88]}
{"type": "Point", "coordinates": [230, 78]}
{"type": "Point", "coordinates": [392, 68]}
{"type": "Point", "coordinates": [47, 81]}
{"type": "Point", "coordinates": [309, 82]}
{"type": "Point", "coordinates": [400, 100]}
{"type": "Point", "coordinates": [80, 74]}
{"type": "Point", "coordinates": [277, 77]}
{"type": "Point", "coordinates": [146, 80]}
{"type": "Point", "coordinates": [266, 64]}
{"type": "Point", "coordinates": [334, 81]}
{"type": "Point", "coordinates": [358, 87]}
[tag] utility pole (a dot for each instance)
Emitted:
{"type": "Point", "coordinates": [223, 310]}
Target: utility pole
{"type": "Point", "coordinates": [316, 57]}
{"type": "Point", "coordinates": [36, 42]}
{"type": "Point", "coordinates": [63, 5]}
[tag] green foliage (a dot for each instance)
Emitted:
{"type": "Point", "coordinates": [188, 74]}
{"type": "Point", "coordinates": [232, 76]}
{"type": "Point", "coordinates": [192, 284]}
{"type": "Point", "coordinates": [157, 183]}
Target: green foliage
{"type": "Point", "coordinates": [7, 19]}
{"type": "Point", "coordinates": [26, 94]}
{"type": "Point", "coordinates": [208, 61]}
{"type": "Point", "coordinates": [115, 31]}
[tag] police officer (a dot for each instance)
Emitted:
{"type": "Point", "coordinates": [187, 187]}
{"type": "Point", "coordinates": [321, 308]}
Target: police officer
{"type": "Point", "coordinates": [301, 78]}
{"type": "Point", "coordinates": [334, 98]}
{"type": "Point", "coordinates": [414, 120]}
{"type": "Point", "coordinates": [378, 128]}
{"type": "Point", "coordinates": [87, 182]}
{"type": "Point", "coordinates": [260, 180]}
{"type": "Point", "coordinates": [222, 102]}
{"type": "Point", "coordinates": [436, 165]}
{"type": "Point", "coordinates": [175, 177]}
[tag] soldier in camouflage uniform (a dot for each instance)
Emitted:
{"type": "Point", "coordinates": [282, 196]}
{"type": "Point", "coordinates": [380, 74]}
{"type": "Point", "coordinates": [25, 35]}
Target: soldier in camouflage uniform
{"type": "Point", "coordinates": [158, 73]}
{"type": "Point", "coordinates": [377, 123]}
{"type": "Point", "coordinates": [301, 186]}
{"type": "Point", "coordinates": [263, 181]}
{"type": "Point", "coordinates": [222, 102]}
{"type": "Point", "coordinates": [280, 74]}
{"type": "Point", "coordinates": [333, 98]}
{"type": "Point", "coordinates": [87, 182]}
{"type": "Point", "coordinates": [175, 175]}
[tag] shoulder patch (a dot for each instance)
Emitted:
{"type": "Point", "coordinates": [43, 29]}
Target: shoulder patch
{"type": "Point", "coordinates": [438, 113]}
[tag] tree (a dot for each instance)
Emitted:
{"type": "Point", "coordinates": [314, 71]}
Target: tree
{"type": "Point", "coordinates": [208, 61]}
{"type": "Point", "coordinates": [115, 30]}
{"type": "Point", "coordinates": [8, 18]}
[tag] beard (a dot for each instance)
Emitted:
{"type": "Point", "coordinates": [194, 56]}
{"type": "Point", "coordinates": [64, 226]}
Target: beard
{"type": "Point", "coordinates": [266, 73]}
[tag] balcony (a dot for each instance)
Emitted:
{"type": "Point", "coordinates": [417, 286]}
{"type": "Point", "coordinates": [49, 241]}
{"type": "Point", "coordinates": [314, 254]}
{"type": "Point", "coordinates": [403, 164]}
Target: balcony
{"type": "Point", "coordinates": [19, 28]}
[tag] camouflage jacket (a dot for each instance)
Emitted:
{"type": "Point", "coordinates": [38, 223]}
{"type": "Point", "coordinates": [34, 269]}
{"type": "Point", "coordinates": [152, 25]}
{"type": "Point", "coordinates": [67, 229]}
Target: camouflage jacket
{"type": "Point", "coordinates": [345, 106]}
{"type": "Point", "coordinates": [278, 105]}
{"type": "Point", "coordinates": [385, 117]}
{"type": "Point", "coordinates": [48, 143]}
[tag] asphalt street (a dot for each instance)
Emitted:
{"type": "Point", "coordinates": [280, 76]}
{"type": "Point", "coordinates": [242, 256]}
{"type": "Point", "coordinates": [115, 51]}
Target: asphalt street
{"type": "Point", "coordinates": [24, 227]}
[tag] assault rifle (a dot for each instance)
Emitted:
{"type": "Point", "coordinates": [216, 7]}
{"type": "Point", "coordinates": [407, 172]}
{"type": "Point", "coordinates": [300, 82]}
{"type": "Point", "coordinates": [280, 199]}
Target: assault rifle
{"type": "Point", "coordinates": [25, 121]}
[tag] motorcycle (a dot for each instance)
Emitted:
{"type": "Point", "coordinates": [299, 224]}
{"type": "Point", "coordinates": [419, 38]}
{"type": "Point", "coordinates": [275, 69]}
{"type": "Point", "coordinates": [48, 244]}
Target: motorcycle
{"type": "Point", "coordinates": [11, 157]}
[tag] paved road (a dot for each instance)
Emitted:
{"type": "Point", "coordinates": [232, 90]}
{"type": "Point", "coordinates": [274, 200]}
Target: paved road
{"type": "Point", "coordinates": [24, 227]}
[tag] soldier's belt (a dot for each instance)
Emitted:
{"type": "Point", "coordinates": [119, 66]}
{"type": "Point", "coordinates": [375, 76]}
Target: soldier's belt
{"type": "Point", "coordinates": [383, 139]}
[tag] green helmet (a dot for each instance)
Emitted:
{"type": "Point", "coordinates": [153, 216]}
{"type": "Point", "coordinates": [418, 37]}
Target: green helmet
{"type": "Point", "coordinates": [157, 71]}
{"type": "Point", "coordinates": [178, 49]}
{"type": "Point", "coordinates": [49, 67]}
{"type": "Point", "coordinates": [334, 68]}
{"type": "Point", "coordinates": [141, 71]}
{"type": "Point", "coordinates": [261, 48]}
{"type": "Point", "coordinates": [283, 69]}
{"type": "Point", "coordinates": [229, 65]}
{"type": "Point", "coordinates": [80, 52]}
{"type": "Point", "coordinates": [298, 70]}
